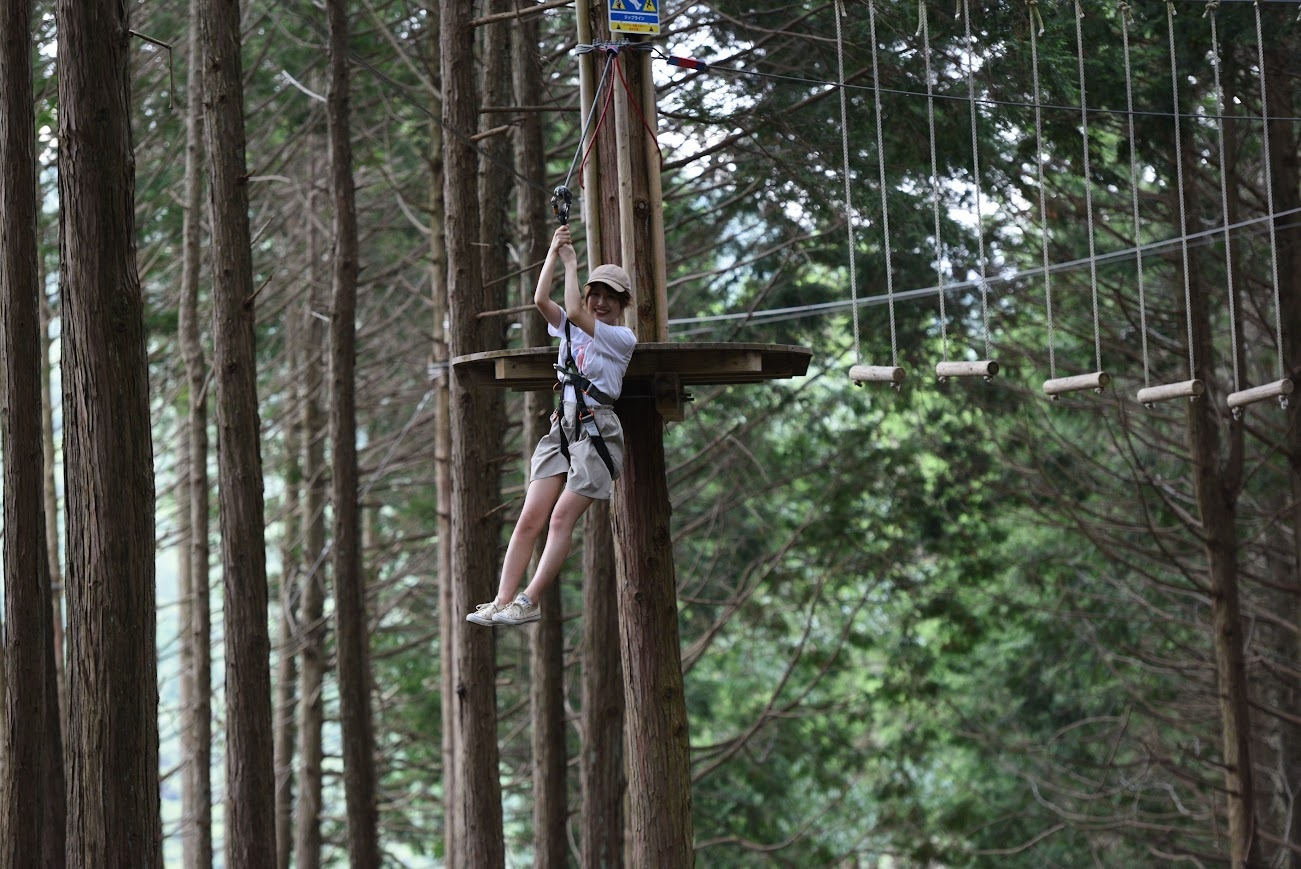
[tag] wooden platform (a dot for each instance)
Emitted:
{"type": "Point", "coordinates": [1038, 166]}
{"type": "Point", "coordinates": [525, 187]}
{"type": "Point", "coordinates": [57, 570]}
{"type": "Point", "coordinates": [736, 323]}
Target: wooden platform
{"type": "Point", "coordinates": [692, 364]}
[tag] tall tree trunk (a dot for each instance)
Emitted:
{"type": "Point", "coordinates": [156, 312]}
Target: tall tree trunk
{"type": "Point", "coordinates": [604, 781]}
{"type": "Point", "coordinates": [33, 810]}
{"type": "Point", "coordinates": [1217, 477]}
{"type": "Point", "coordinates": [52, 550]}
{"type": "Point", "coordinates": [196, 612]}
{"type": "Point", "coordinates": [447, 621]}
{"type": "Point", "coordinates": [349, 582]}
{"type": "Point", "coordinates": [250, 757]}
{"type": "Point", "coordinates": [311, 626]}
{"type": "Point", "coordinates": [547, 647]}
{"type": "Point", "coordinates": [476, 423]}
{"type": "Point", "coordinates": [113, 812]}
{"type": "Point", "coordinates": [1285, 166]}
{"type": "Point", "coordinates": [286, 681]}
{"type": "Point", "coordinates": [286, 735]}
{"type": "Point", "coordinates": [602, 768]}
{"type": "Point", "coordinates": [658, 741]}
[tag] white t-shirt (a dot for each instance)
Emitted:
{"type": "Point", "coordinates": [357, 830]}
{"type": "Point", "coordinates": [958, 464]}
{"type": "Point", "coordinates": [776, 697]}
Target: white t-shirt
{"type": "Point", "coordinates": [601, 358]}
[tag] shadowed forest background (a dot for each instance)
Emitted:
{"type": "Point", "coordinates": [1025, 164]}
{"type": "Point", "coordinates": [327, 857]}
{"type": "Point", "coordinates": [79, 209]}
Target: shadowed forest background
{"type": "Point", "coordinates": [953, 624]}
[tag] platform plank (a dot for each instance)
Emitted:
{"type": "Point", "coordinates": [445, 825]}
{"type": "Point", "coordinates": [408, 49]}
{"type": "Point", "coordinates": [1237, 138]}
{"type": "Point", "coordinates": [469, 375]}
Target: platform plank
{"type": "Point", "coordinates": [696, 364]}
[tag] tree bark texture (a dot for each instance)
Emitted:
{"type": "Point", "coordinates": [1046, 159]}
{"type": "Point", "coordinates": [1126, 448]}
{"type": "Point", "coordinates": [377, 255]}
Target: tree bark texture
{"type": "Point", "coordinates": [476, 424]}
{"type": "Point", "coordinates": [311, 624]}
{"type": "Point", "coordinates": [196, 607]}
{"type": "Point", "coordinates": [351, 636]}
{"type": "Point", "coordinates": [113, 809]}
{"type": "Point", "coordinates": [33, 807]}
{"type": "Point", "coordinates": [603, 776]}
{"type": "Point", "coordinates": [547, 643]}
{"type": "Point", "coordinates": [447, 617]}
{"type": "Point", "coordinates": [52, 548]}
{"type": "Point", "coordinates": [659, 763]}
{"type": "Point", "coordinates": [604, 781]}
{"type": "Point", "coordinates": [250, 764]}
{"type": "Point", "coordinates": [1217, 473]}
{"type": "Point", "coordinates": [1285, 168]}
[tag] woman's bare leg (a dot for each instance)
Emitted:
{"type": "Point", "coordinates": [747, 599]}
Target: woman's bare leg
{"type": "Point", "coordinates": [564, 516]}
{"type": "Point", "coordinates": [539, 500]}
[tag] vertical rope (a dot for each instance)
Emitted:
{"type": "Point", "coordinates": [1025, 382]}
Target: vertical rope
{"type": "Point", "coordinates": [1179, 179]}
{"type": "Point", "coordinates": [1088, 185]}
{"type": "Point", "coordinates": [1211, 8]}
{"type": "Point", "coordinates": [975, 170]}
{"type": "Point", "coordinates": [880, 165]}
{"type": "Point", "coordinates": [849, 208]}
{"type": "Point", "coordinates": [1269, 195]}
{"type": "Point", "coordinates": [1126, 14]}
{"type": "Point", "coordinates": [924, 27]}
{"type": "Point", "coordinates": [1036, 28]}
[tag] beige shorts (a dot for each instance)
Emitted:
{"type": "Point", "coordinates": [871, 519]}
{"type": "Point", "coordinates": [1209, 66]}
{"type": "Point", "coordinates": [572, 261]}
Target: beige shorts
{"type": "Point", "coordinates": [586, 470]}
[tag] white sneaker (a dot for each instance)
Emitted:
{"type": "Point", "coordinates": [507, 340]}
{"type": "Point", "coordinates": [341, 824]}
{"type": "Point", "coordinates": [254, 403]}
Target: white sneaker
{"type": "Point", "coordinates": [484, 612]}
{"type": "Point", "coordinates": [518, 612]}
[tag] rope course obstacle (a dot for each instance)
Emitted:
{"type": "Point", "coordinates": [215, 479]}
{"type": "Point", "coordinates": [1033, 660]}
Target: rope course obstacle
{"type": "Point", "coordinates": [1192, 387]}
{"type": "Point", "coordinates": [986, 367]}
{"type": "Point", "coordinates": [965, 64]}
{"type": "Point", "coordinates": [1282, 387]}
{"type": "Point", "coordinates": [1097, 379]}
{"type": "Point", "coordinates": [860, 373]}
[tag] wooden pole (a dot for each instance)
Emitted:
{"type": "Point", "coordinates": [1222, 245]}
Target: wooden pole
{"type": "Point", "coordinates": [601, 764]}
{"type": "Point", "coordinates": [659, 762]}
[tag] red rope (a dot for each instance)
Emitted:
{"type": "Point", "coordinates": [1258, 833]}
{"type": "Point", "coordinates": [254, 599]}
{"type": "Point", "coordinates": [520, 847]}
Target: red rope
{"type": "Point", "coordinates": [636, 104]}
{"type": "Point", "coordinates": [600, 120]}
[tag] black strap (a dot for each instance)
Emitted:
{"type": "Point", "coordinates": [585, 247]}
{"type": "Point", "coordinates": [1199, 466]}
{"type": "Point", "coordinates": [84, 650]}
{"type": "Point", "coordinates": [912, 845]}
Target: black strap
{"type": "Point", "coordinates": [570, 375]}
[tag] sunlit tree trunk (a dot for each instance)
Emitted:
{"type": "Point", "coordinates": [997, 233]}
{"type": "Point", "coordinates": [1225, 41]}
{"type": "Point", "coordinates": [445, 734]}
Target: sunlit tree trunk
{"type": "Point", "coordinates": [32, 802]}
{"type": "Point", "coordinates": [250, 757]}
{"type": "Point", "coordinates": [113, 809]}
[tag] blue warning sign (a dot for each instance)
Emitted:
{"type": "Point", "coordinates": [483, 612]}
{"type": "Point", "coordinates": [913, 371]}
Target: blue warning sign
{"type": "Point", "coordinates": [635, 16]}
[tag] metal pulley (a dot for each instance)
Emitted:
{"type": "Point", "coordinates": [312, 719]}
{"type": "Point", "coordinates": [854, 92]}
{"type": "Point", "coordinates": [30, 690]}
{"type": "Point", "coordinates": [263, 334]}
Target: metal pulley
{"type": "Point", "coordinates": [561, 199]}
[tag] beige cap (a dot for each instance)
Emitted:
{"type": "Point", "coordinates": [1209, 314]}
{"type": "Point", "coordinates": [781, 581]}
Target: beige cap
{"type": "Point", "coordinates": [612, 276]}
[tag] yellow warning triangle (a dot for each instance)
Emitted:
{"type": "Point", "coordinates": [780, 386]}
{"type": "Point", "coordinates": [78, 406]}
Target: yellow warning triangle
{"type": "Point", "coordinates": [617, 6]}
{"type": "Point", "coordinates": [649, 6]}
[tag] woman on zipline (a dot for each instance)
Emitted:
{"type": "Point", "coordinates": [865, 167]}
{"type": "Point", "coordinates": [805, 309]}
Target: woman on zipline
{"type": "Point", "coordinates": [577, 461]}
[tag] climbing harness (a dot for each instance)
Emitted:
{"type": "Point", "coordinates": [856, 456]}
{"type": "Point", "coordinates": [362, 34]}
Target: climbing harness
{"type": "Point", "coordinates": [583, 420]}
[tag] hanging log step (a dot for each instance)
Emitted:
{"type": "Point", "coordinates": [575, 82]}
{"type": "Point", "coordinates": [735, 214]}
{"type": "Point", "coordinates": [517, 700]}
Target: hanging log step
{"type": "Point", "coordinates": [892, 374]}
{"type": "Point", "coordinates": [1058, 386]}
{"type": "Point", "coordinates": [1279, 389]}
{"type": "Point", "coordinates": [1189, 389]}
{"type": "Point", "coordinates": [986, 368]}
